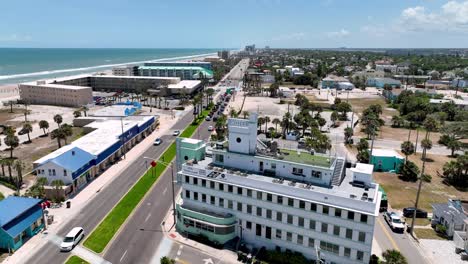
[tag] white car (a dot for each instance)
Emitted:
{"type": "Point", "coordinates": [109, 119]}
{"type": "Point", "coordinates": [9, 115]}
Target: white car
{"type": "Point", "coordinates": [72, 239]}
{"type": "Point", "coordinates": [176, 133]}
{"type": "Point", "coordinates": [157, 142]}
{"type": "Point", "coordinates": [210, 128]}
{"type": "Point", "coordinates": [394, 221]}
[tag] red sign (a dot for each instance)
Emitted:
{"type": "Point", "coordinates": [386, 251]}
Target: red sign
{"type": "Point", "coordinates": [153, 163]}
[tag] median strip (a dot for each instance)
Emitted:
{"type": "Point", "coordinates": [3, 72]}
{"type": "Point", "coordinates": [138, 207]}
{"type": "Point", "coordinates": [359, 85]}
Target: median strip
{"type": "Point", "coordinates": [105, 231]}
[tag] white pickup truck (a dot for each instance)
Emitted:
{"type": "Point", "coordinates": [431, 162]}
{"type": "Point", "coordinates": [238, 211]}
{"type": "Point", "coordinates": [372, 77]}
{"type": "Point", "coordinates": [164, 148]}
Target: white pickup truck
{"type": "Point", "coordinates": [394, 221]}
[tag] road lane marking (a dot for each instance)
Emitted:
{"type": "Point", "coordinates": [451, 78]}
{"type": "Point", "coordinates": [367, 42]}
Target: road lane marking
{"type": "Point", "coordinates": [394, 244]}
{"type": "Point", "coordinates": [123, 256]}
{"type": "Point", "coordinates": [146, 219]}
{"type": "Point", "coordinates": [164, 192]}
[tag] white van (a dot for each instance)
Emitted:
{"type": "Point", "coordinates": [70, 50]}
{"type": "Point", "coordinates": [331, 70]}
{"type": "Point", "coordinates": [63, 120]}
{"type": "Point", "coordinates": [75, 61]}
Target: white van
{"type": "Point", "coordinates": [72, 239]}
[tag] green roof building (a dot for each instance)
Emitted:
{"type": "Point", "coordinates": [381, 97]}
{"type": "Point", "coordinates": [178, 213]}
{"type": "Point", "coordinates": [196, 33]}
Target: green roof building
{"type": "Point", "coordinates": [183, 72]}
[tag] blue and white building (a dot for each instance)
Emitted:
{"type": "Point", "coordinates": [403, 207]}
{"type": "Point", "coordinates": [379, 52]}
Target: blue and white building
{"type": "Point", "coordinates": [276, 198]}
{"type": "Point", "coordinates": [383, 82]}
{"type": "Point", "coordinates": [84, 159]}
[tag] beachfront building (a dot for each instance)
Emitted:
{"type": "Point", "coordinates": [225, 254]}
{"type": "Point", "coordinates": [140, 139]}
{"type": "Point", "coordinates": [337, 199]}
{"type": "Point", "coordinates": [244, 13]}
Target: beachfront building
{"type": "Point", "coordinates": [20, 219]}
{"type": "Point", "coordinates": [203, 64]}
{"type": "Point", "coordinates": [275, 198]}
{"type": "Point", "coordinates": [386, 160]}
{"type": "Point", "coordinates": [383, 83]}
{"type": "Point", "coordinates": [183, 72]}
{"type": "Point", "coordinates": [125, 71]}
{"type": "Point", "coordinates": [41, 92]}
{"type": "Point", "coordinates": [108, 138]}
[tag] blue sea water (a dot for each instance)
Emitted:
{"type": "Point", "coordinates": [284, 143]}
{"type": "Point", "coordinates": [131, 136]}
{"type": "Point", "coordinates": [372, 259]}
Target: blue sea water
{"type": "Point", "coordinates": [28, 64]}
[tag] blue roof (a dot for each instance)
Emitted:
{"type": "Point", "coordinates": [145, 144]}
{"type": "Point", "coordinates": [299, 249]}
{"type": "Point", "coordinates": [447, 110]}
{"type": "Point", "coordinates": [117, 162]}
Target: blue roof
{"type": "Point", "coordinates": [73, 159]}
{"type": "Point", "coordinates": [18, 225]}
{"type": "Point", "coordinates": [13, 206]}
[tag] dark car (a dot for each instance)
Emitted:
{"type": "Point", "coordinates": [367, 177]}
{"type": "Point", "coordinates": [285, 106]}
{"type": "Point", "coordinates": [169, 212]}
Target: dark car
{"type": "Point", "coordinates": [409, 211]}
{"type": "Point", "coordinates": [22, 132]}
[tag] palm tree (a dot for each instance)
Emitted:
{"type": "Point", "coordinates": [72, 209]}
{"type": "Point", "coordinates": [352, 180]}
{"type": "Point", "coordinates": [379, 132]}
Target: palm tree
{"type": "Point", "coordinates": [392, 256]}
{"type": "Point", "coordinates": [260, 122]}
{"type": "Point", "coordinates": [43, 124]}
{"type": "Point", "coordinates": [85, 109]}
{"type": "Point", "coordinates": [9, 163]}
{"type": "Point", "coordinates": [348, 133]}
{"type": "Point", "coordinates": [397, 121]}
{"type": "Point", "coordinates": [41, 182]}
{"type": "Point", "coordinates": [210, 92]}
{"type": "Point", "coordinates": [28, 128]}
{"type": "Point", "coordinates": [2, 164]}
{"type": "Point", "coordinates": [334, 117]}
{"type": "Point", "coordinates": [426, 144]}
{"type": "Point", "coordinates": [453, 144]}
{"type": "Point", "coordinates": [407, 148]}
{"type": "Point", "coordinates": [67, 131]}
{"type": "Point", "coordinates": [58, 119]}
{"type": "Point", "coordinates": [76, 113]}
{"type": "Point", "coordinates": [19, 167]}
{"type": "Point", "coordinates": [267, 120]}
{"type": "Point", "coordinates": [11, 141]}
{"type": "Point", "coordinates": [321, 122]}
{"type": "Point", "coordinates": [59, 135]}
{"type": "Point", "coordinates": [276, 121]}
{"type": "Point", "coordinates": [245, 114]}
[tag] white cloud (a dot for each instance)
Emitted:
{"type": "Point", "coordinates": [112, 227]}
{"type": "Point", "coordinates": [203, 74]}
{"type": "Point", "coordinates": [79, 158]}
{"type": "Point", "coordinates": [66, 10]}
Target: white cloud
{"type": "Point", "coordinates": [338, 34]}
{"type": "Point", "coordinates": [15, 38]}
{"type": "Point", "coordinates": [452, 17]}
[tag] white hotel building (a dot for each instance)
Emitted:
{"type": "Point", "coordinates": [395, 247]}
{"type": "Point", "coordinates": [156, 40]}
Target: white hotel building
{"type": "Point", "coordinates": [279, 199]}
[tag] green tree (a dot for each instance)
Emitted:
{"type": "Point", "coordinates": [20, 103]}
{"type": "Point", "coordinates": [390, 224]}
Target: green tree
{"type": "Point", "coordinates": [407, 148]}
{"type": "Point", "coordinates": [267, 120]}
{"type": "Point", "coordinates": [67, 131]}
{"type": "Point", "coordinates": [43, 124]}
{"type": "Point", "coordinates": [167, 260]}
{"type": "Point", "coordinates": [409, 171]}
{"type": "Point", "coordinates": [276, 122]}
{"type": "Point", "coordinates": [59, 135]}
{"type": "Point", "coordinates": [397, 121]}
{"type": "Point", "coordinates": [19, 167]}
{"type": "Point", "coordinates": [12, 141]}
{"type": "Point", "coordinates": [58, 119]}
{"type": "Point", "coordinates": [28, 128]}
{"type": "Point", "coordinates": [321, 122]}
{"type": "Point", "coordinates": [76, 113]}
{"type": "Point", "coordinates": [343, 108]}
{"type": "Point", "coordinates": [392, 256]}
{"type": "Point", "coordinates": [348, 134]}
{"type": "Point", "coordinates": [274, 87]}
{"type": "Point", "coordinates": [334, 117]}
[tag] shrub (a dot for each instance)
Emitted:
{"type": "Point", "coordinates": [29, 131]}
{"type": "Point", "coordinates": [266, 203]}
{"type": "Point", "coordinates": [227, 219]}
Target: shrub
{"type": "Point", "coordinates": [441, 229]}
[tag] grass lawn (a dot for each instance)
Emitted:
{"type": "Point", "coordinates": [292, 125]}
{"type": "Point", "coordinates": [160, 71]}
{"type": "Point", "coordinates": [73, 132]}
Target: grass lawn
{"type": "Point", "coordinates": [76, 260]}
{"type": "Point", "coordinates": [418, 221]}
{"type": "Point", "coordinates": [305, 157]}
{"type": "Point", "coordinates": [428, 233]}
{"type": "Point", "coordinates": [106, 230]}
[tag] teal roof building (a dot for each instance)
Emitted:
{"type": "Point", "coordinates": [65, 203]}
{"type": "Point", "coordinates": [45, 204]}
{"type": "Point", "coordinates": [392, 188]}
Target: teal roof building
{"type": "Point", "coordinates": [386, 160]}
{"type": "Point", "coordinates": [183, 72]}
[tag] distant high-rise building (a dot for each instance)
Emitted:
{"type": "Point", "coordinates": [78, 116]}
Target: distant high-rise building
{"type": "Point", "coordinates": [267, 47]}
{"type": "Point", "coordinates": [223, 54]}
{"type": "Point", "coordinates": [250, 48]}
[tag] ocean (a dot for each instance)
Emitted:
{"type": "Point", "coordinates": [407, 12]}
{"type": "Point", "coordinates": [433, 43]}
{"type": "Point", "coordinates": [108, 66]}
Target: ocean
{"type": "Point", "coordinates": [27, 64]}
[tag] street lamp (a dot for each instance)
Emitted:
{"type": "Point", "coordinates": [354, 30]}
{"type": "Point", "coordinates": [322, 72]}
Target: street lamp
{"type": "Point", "coordinates": [172, 181]}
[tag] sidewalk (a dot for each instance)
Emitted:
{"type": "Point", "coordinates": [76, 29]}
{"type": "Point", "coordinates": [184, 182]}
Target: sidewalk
{"type": "Point", "coordinates": [63, 215]}
{"type": "Point", "coordinates": [169, 230]}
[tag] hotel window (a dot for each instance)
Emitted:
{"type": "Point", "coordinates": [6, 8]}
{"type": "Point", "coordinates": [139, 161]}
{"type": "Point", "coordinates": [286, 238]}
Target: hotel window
{"type": "Point", "coordinates": [221, 187]}
{"type": "Point", "coordinates": [359, 255]}
{"type": "Point", "coordinates": [230, 204]}
{"type": "Point", "coordinates": [350, 215]}
{"type": "Point", "coordinates": [336, 230]}
{"type": "Point", "coordinates": [195, 196]}
{"type": "Point", "coordinates": [312, 224]}
{"type": "Point", "coordinates": [187, 194]}
{"type": "Point", "coordinates": [279, 217]}
{"type": "Point", "coordinates": [316, 174]}
{"type": "Point", "coordinates": [187, 179]}
{"type": "Point", "coordinates": [347, 252]}
{"type": "Point", "coordinates": [212, 184]}
{"type": "Point", "coordinates": [279, 199]}
{"type": "Point", "coordinates": [300, 221]}
{"type": "Point", "coordinates": [203, 183]}
{"type": "Point", "coordinates": [258, 230]}
{"type": "Point", "coordinates": [330, 247]}
{"type": "Point", "coordinates": [239, 190]}
{"type": "Point", "coordinates": [363, 218]}
{"type": "Point", "coordinates": [268, 213]}
{"type": "Point", "coordinates": [289, 236]}
{"type": "Point", "coordinates": [248, 225]}
{"type": "Point", "coordinates": [239, 207]}
{"type": "Point", "coordinates": [311, 242]}
{"type": "Point", "coordinates": [302, 204]}
{"type": "Point", "coordinates": [349, 233]}
{"type": "Point", "coordinates": [221, 202]}
{"type": "Point", "coordinates": [337, 212]}
{"type": "Point", "coordinates": [53, 172]}
{"type": "Point", "coordinates": [313, 207]}
{"type": "Point", "coordinates": [325, 210]}
{"type": "Point", "coordinates": [290, 219]}
{"type": "Point", "coordinates": [300, 239]}
{"type": "Point", "coordinates": [278, 234]}
{"type": "Point", "coordinates": [50, 172]}
{"type": "Point", "coordinates": [259, 211]}
{"type": "Point", "coordinates": [297, 171]}
{"type": "Point", "coordinates": [249, 193]}
{"type": "Point", "coordinates": [291, 202]}
{"type": "Point", "coordinates": [230, 188]}
{"type": "Point", "coordinates": [64, 173]}
{"type": "Point", "coordinates": [195, 181]}
{"type": "Point", "coordinates": [203, 198]}
{"type": "Point", "coordinates": [249, 209]}
{"type": "Point", "coordinates": [212, 199]}
{"type": "Point", "coordinates": [362, 237]}
{"type": "Point", "coordinates": [324, 227]}
{"type": "Point", "coordinates": [269, 197]}
{"type": "Point", "coordinates": [219, 158]}
{"type": "Point", "coordinates": [259, 195]}
{"type": "Point", "coordinates": [268, 232]}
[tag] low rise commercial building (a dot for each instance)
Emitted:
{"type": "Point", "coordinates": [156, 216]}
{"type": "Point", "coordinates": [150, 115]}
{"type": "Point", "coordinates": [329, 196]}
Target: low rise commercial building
{"type": "Point", "coordinates": [333, 81]}
{"type": "Point", "coordinates": [20, 219]}
{"type": "Point", "coordinates": [383, 83]}
{"type": "Point", "coordinates": [386, 160]}
{"type": "Point", "coordinates": [182, 72]}
{"type": "Point", "coordinates": [41, 92]}
{"type": "Point", "coordinates": [276, 198]}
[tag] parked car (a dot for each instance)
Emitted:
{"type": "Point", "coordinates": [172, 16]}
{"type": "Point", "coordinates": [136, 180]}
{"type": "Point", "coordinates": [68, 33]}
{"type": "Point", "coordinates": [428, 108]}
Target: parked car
{"type": "Point", "coordinates": [208, 118]}
{"type": "Point", "coordinates": [72, 239]}
{"type": "Point", "coordinates": [210, 128]}
{"type": "Point", "coordinates": [22, 132]}
{"type": "Point", "coordinates": [394, 221]}
{"type": "Point", "coordinates": [176, 133]}
{"type": "Point", "coordinates": [157, 142]}
{"type": "Point", "coordinates": [409, 211]}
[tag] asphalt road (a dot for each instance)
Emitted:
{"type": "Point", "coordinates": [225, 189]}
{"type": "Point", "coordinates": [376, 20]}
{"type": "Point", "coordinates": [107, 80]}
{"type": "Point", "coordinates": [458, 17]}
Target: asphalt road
{"type": "Point", "coordinates": [140, 237]}
{"type": "Point", "coordinates": [388, 239]}
{"type": "Point", "coordinates": [98, 207]}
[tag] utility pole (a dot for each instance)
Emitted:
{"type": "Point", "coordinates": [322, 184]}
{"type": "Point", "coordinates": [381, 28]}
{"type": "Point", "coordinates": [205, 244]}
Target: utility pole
{"type": "Point", "coordinates": [419, 191]}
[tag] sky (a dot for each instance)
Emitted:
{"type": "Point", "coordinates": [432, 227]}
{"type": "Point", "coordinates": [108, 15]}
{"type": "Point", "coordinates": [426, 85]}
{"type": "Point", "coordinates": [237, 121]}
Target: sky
{"type": "Point", "coordinates": [234, 23]}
